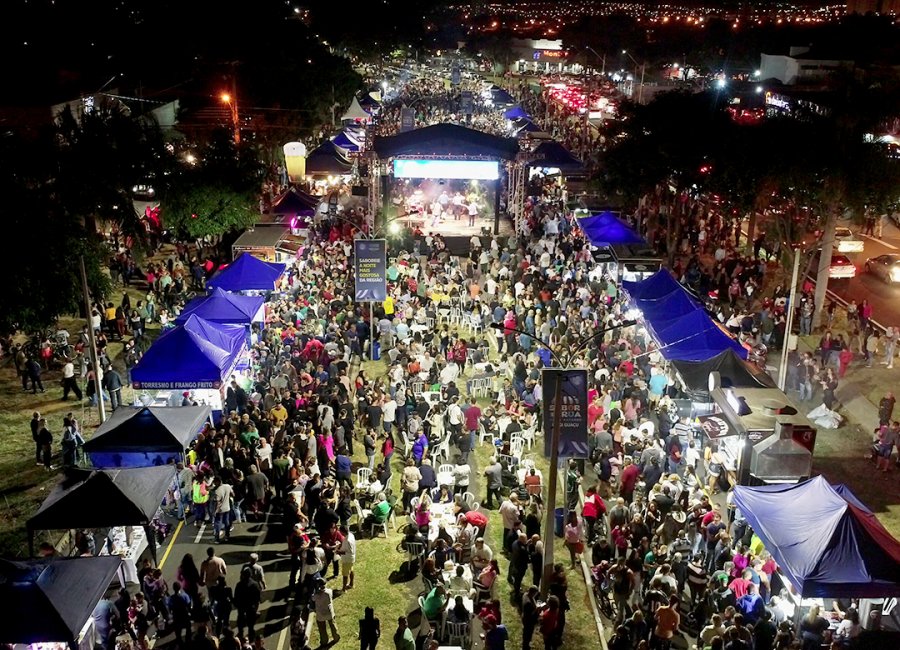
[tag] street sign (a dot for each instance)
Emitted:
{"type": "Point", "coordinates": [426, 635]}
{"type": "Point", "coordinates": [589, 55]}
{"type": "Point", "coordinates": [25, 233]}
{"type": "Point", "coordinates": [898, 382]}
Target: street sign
{"type": "Point", "coordinates": [407, 119]}
{"type": "Point", "coordinates": [573, 421]}
{"type": "Point", "coordinates": [466, 102]}
{"type": "Point", "coordinates": [370, 269]}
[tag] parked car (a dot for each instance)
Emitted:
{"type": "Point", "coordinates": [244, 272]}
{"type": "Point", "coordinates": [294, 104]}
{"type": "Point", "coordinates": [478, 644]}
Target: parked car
{"type": "Point", "coordinates": [841, 267]}
{"type": "Point", "coordinates": [846, 242]}
{"type": "Point", "coordinates": [886, 267]}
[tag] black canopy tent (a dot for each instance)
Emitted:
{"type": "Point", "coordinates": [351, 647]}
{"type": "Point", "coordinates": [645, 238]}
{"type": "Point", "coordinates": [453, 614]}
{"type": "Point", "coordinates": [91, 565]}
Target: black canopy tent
{"type": "Point", "coordinates": [446, 140]}
{"type": "Point", "coordinates": [51, 600]}
{"type": "Point", "coordinates": [553, 154]}
{"type": "Point", "coordinates": [328, 160]}
{"type": "Point", "coordinates": [735, 373]}
{"type": "Point", "coordinates": [103, 499]}
{"type": "Point", "coordinates": [295, 201]}
{"type": "Point", "coordinates": [145, 436]}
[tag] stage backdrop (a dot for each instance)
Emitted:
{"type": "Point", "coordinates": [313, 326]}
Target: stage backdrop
{"type": "Point", "coordinates": [573, 427]}
{"type": "Point", "coordinates": [370, 266]}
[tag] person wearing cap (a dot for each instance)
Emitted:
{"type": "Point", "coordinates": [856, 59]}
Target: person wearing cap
{"type": "Point", "coordinates": [495, 634]}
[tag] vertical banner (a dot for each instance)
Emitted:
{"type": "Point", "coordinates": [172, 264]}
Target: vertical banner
{"type": "Point", "coordinates": [407, 119]}
{"type": "Point", "coordinates": [454, 76]}
{"type": "Point", "coordinates": [466, 103]}
{"type": "Point", "coordinates": [573, 423]}
{"type": "Point", "coordinates": [370, 269]}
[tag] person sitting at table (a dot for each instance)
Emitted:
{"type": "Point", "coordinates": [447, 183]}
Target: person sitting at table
{"type": "Point", "coordinates": [487, 579]}
{"type": "Point", "coordinates": [481, 555]}
{"type": "Point", "coordinates": [490, 608]}
{"type": "Point", "coordinates": [429, 478]}
{"type": "Point", "coordinates": [442, 495]}
{"type": "Point", "coordinates": [431, 576]}
{"type": "Point", "coordinates": [434, 603]}
{"type": "Point", "coordinates": [514, 426]}
{"type": "Point", "coordinates": [459, 583]}
{"type": "Point", "coordinates": [442, 552]}
{"type": "Point", "coordinates": [488, 421]}
{"type": "Point", "coordinates": [422, 511]}
{"type": "Point", "coordinates": [380, 511]}
{"type": "Point", "coordinates": [458, 612]}
{"type": "Point", "coordinates": [533, 483]}
{"type": "Point", "coordinates": [460, 507]}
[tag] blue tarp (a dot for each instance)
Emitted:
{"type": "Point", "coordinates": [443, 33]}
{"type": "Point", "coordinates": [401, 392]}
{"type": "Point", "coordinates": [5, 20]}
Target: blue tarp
{"type": "Point", "coordinates": [223, 307]}
{"type": "Point", "coordinates": [196, 354]}
{"type": "Point", "coordinates": [515, 113]}
{"type": "Point", "coordinates": [826, 545]}
{"type": "Point", "coordinates": [684, 331]}
{"type": "Point", "coordinates": [247, 273]}
{"type": "Point", "coordinates": [500, 96]}
{"type": "Point", "coordinates": [608, 230]}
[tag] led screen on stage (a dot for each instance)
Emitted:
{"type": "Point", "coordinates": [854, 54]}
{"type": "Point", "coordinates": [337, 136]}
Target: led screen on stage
{"type": "Point", "coordinates": [482, 170]}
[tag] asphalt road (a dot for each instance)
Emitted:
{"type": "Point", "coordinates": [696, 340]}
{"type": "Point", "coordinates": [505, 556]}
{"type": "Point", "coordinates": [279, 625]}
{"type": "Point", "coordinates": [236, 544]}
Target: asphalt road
{"type": "Point", "coordinates": [265, 538]}
{"type": "Point", "coordinates": [884, 298]}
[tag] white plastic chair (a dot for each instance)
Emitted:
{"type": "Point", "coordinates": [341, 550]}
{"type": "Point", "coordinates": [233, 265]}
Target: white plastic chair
{"type": "Point", "coordinates": [363, 476]}
{"type": "Point", "coordinates": [445, 468]}
{"type": "Point", "coordinates": [528, 437]}
{"type": "Point", "coordinates": [517, 447]}
{"type": "Point", "coordinates": [457, 634]}
{"type": "Point", "coordinates": [483, 434]}
{"type": "Point", "coordinates": [468, 498]}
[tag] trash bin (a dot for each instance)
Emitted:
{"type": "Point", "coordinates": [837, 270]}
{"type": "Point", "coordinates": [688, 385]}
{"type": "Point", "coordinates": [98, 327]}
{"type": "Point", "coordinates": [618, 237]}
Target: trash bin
{"type": "Point", "coordinates": [376, 351]}
{"type": "Point", "coordinates": [560, 518]}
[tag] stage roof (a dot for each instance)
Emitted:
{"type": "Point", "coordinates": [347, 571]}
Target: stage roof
{"type": "Point", "coordinates": [446, 140]}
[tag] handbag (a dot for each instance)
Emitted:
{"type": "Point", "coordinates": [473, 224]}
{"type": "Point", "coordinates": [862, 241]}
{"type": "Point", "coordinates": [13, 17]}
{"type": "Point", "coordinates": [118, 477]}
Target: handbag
{"type": "Point", "coordinates": [579, 548]}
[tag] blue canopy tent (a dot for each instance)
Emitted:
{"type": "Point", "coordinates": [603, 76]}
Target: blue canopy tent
{"type": "Point", "coordinates": [345, 142]}
{"type": "Point", "coordinates": [657, 286]}
{"type": "Point", "coordinates": [500, 96]}
{"type": "Point", "coordinates": [674, 305]}
{"type": "Point", "coordinates": [223, 307]}
{"type": "Point", "coordinates": [608, 230]}
{"type": "Point", "coordinates": [700, 346]}
{"type": "Point", "coordinates": [522, 126]}
{"type": "Point", "coordinates": [247, 273]}
{"type": "Point", "coordinates": [195, 354]}
{"type": "Point", "coordinates": [825, 542]}
{"type": "Point", "coordinates": [515, 113]}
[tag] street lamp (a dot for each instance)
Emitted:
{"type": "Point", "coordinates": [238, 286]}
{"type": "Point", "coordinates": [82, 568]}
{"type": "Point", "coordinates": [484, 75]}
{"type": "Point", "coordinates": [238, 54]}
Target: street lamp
{"type": "Point", "coordinates": [554, 438]}
{"type": "Point", "coordinates": [232, 103]}
{"type": "Point", "coordinates": [643, 69]}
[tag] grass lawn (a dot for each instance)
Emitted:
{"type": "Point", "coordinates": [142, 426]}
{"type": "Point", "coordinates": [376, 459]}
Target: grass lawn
{"type": "Point", "coordinates": [377, 558]}
{"type": "Point", "coordinates": [23, 485]}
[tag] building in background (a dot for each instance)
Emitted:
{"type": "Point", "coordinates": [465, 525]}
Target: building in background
{"type": "Point", "coordinates": [801, 66]}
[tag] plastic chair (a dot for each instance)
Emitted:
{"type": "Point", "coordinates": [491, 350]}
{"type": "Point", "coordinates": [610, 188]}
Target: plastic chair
{"type": "Point", "coordinates": [363, 476]}
{"type": "Point", "coordinates": [469, 499]}
{"type": "Point", "coordinates": [457, 633]}
{"type": "Point", "coordinates": [484, 434]}
{"type": "Point", "coordinates": [445, 468]}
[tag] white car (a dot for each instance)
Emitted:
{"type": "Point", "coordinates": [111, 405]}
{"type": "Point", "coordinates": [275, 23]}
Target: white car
{"type": "Point", "coordinates": [846, 242]}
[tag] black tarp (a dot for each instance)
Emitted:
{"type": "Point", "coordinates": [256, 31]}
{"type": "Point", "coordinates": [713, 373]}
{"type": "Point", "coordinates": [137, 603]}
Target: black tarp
{"type": "Point", "coordinates": [553, 154]}
{"type": "Point", "coordinates": [50, 600]}
{"type": "Point", "coordinates": [446, 140]}
{"type": "Point", "coordinates": [295, 202]}
{"type": "Point", "coordinates": [152, 428]}
{"type": "Point", "coordinates": [735, 372]}
{"type": "Point", "coordinates": [327, 159]}
{"type": "Point", "coordinates": [103, 499]}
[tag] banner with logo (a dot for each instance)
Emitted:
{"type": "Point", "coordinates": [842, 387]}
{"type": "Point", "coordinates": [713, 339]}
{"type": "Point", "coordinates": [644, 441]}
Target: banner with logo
{"type": "Point", "coordinates": [370, 269]}
{"type": "Point", "coordinates": [407, 119]}
{"type": "Point", "coordinates": [466, 102]}
{"type": "Point", "coordinates": [573, 422]}
{"type": "Point", "coordinates": [715, 426]}
{"type": "Point", "coordinates": [454, 76]}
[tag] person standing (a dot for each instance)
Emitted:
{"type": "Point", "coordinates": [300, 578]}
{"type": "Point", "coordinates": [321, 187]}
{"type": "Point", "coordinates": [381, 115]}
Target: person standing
{"type": "Point", "coordinates": [223, 495]}
{"type": "Point", "coordinates": [473, 419]}
{"type": "Point", "coordinates": [369, 630]}
{"type": "Point", "coordinates": [493, 474]}
{"type": "Point", "coordinates": [369, 445]}
{"type": "Point", "coordinates": [323, 602]}
{"type": "Point", "coordinates": [886, 408]}
{"type": "Point", "coordinates": [33, 368]}
{"type": "Point", "coordinates": [212, 568]}
{"type": "Point", "coordinates": [112, 381]}
{"type": "Point", "coordinates": [70, 383]}
{"type": "Point", "coordinates": [530, 616]}
{"type": "Point", "coordinates": [247, 596]}
{"type": "Point", "coordinates": [347, 552]}
{"type": "Point", "coordinates": [45, 441]}
{"type": "Point", "coordinates": [403, 637]}
{"type": "Point", "coordinates": [35, 428]}
{"type": "Point", "coordinates": [180, 611]}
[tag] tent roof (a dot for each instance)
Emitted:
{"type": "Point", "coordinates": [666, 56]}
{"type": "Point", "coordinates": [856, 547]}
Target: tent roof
{"type": "Point", "coordinates": [328, 158]}
{"type": "Point", "coordinates": [369, 102]}
{"type": "Point", "coordinates": [553, 154]}
{"type": "Point", "coordinates": [446, 140]}
{"type": "Point", "coordinates": [823, 542]}
{"type": "Point", "coordinates": [657, 286]}
{"type": "Point", "coordinates": [344, 141]}
{"type": "Point", "coordinates": [247, 273]}
{"type": "Point", "coordinates": [500, 96]}
{"type": "Point", "coordinates": [295, 202]}
{"type": "Point", "coordinates": [50, 600]}
{"type": "Point", "coordinates": [159, 428]}
{"type": "Point", "coordinates": [515, 113]}
{"type": "Point", "coordinates": [690, 344]}
{"type": "Point", "coordinates": [674, 305]}
{"type": "Point", "coordinates": [735, 372]}
{"type": "Point", "coordinates": [355, 112]}
{"type": "Point", "coordinates": [223, 307]}
{"type": "Point", "coordinates": [103, 498]}
{"type": "Point", "coordinates": [196, 353]}
{"type": "Point", "coordinates": [604, 229]}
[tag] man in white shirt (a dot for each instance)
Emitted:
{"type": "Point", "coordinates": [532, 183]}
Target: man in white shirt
{"type": "Point", "coordinates": [69, 381]}
{"type": "Point", "coordinates": [389, 414]}
{"type": "Point", "coordinates": [323, 601]}
{"type": "Point", "coordinates": [449, 373]}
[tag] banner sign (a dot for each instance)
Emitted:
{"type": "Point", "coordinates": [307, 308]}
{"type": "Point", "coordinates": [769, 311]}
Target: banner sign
{"type": "Point", "coordinates": [370, 268]}
{"type": "Point", "coordinates": [573, 422]}
{"type": "Point", "coordinates": [715, 426]}
{"type": "Point", "coordinates": [407, 119]}
{"type": "Point", "coordinates": [454, 76]}
{"type": "Point", "coordinates": [466, 103]}
{"type": "Point", "coordinates": [176, 385]}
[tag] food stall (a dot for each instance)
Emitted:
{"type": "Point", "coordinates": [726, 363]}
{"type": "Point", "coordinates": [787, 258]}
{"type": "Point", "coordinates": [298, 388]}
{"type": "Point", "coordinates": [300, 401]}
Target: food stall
{"type": "Point", "coordinates": [761, 435]}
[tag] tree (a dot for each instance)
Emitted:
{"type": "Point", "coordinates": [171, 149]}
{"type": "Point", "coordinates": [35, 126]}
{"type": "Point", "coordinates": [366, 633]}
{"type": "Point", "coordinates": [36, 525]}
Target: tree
{"type": "Point", "coordinates": [218, 195]}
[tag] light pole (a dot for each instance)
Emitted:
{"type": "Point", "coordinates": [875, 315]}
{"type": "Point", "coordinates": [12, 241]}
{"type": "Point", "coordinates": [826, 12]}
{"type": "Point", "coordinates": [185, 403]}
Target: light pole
{"type": "Point", "coordinates": [554, 439]}
{"type": "Point", "coordinates": [792, 304]}
{"type": "Point", "coordinates": [643, 68]}
{"type": "Point", "coordinates": [231, 100]}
